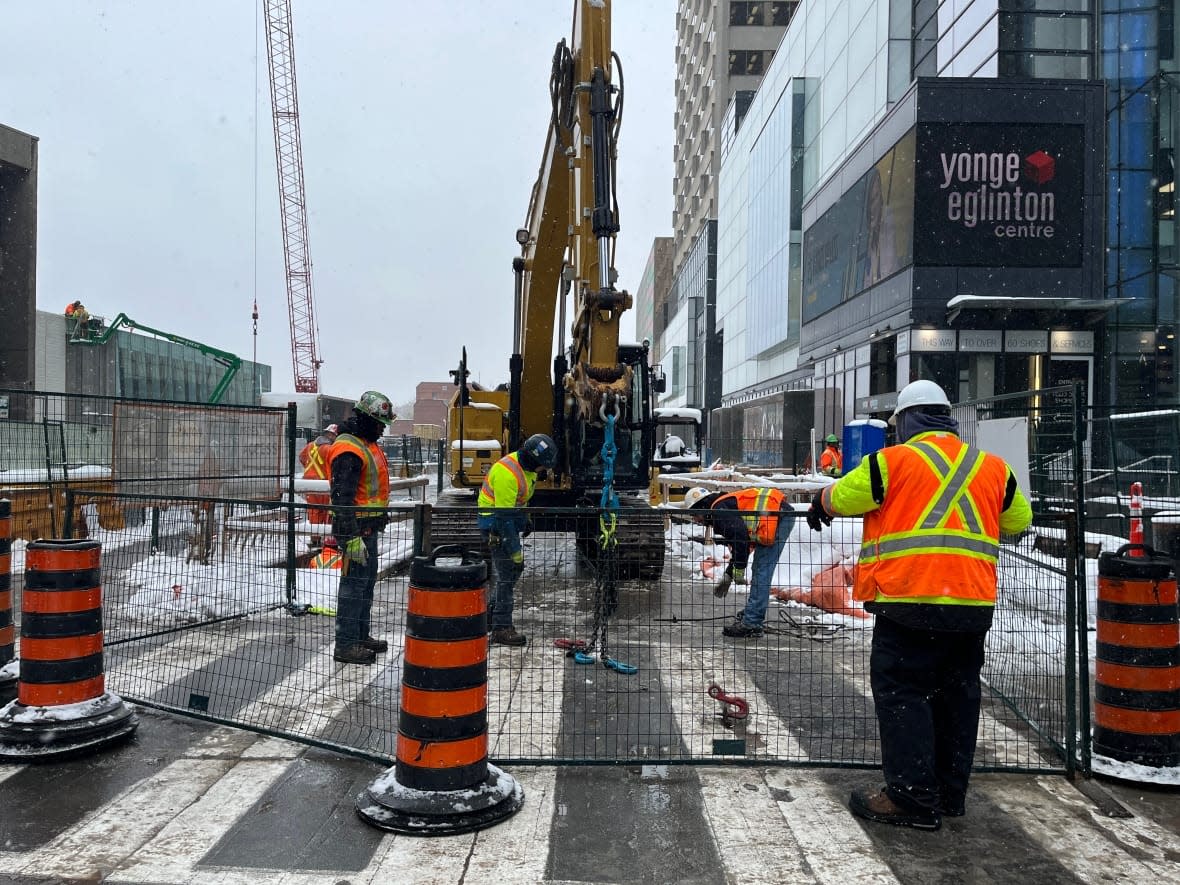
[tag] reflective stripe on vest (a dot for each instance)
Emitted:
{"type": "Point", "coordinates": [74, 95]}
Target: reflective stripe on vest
{"type": "Point", "coordinates": [939, 540]}
{"type": "Point", "coordinates": [317, 467]}
{"type": "Point", "coordinates": [372, 491]}
{"type": "Point", "coordinates": [508, 462]}
{"type": "Point", "coordinates": [759, 510]}
{"type": "Point", "coordinates": [328, 560]}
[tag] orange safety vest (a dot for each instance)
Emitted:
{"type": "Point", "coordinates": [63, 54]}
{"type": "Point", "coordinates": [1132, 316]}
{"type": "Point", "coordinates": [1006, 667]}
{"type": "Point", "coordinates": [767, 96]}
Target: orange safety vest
{"type": "Point", "coordinates": [372, 492]}
{"type": "Point", "coordinates": [829, 457]}
{"type": "Point", "coordinates": [760, 509]}
{"type": "Point", "coordinates": [937, 534]}
{"type": "Point", "coordinates": [317, 459]}
{"type": "Point", "coordinates": [487, 495]}
{"type": "Point", "coordinates": [327, 559]}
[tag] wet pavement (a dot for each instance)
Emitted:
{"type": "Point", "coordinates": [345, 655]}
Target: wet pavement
{"type": "Point", "coordinates": [191, 802]}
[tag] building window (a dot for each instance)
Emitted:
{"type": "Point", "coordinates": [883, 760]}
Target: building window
{"type": "Point", "coordinates": [749, 61]}
{"type": "Point", "coordinates": [741, 14]}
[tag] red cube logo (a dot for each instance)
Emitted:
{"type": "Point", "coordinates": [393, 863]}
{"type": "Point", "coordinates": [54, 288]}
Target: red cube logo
{"type": "Point", "coordinates": [1040, 167]}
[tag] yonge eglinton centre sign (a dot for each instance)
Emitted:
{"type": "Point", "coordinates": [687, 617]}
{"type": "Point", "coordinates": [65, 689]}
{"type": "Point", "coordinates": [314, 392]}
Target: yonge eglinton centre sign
{"type": "Point", "coordinates": [999, 194]}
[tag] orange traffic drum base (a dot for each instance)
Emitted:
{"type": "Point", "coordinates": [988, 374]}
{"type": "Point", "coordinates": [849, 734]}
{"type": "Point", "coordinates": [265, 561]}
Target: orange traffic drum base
{"type": "Point", "coordinates": [45, 734]}
{"type": "Point", "coordinates": [390, 805]}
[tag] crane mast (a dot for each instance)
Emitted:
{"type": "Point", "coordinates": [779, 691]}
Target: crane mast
{"type": "Point", "coordinates": [284, 99]}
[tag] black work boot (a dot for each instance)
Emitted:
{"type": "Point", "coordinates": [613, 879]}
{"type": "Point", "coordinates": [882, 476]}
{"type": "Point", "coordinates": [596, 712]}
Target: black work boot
{"type": "Point", "coordinates": [506, 636]}
{"type": "Point", "coordinates": [882, 809]}
{"type": "Point", "coordinates": [739, 629]}
{"type": "Point", "coordinates": [380, 646]}
{"type": "Point", "coordinates": [354, 654]}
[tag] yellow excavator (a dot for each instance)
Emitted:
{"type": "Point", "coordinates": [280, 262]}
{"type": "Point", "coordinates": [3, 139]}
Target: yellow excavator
{"type": "Point", "coordinates": [591, 386]}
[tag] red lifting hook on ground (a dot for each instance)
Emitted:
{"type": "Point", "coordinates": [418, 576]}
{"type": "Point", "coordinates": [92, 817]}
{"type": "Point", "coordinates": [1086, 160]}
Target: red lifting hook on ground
{"type": "Point", "coordinates": [733, 708]}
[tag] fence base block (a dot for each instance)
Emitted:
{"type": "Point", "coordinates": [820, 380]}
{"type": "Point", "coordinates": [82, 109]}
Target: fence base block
{"type": "Point", "coordinates": [388, 805]}
{"type": "Point", "coordinates": [44, 734]}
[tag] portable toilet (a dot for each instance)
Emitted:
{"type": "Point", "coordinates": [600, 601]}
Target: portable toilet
{"type": "Point", "coordinates": [862, 437]}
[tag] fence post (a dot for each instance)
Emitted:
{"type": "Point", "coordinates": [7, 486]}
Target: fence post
{"type": "Point", "coordinates": [68, 529]}
{"type": "Point", "coordinates": [62, 706]}
{"type": "Point", "coordinates": [292, 417]}
{"type": "Point", "coordinates": [155, 540]}
{"type": "Point", "coordinates": [8, 664]}
{"type": "Point", "coordinates": [1082, 658]}
{"type": "Point", "coordinates": [438, 485]}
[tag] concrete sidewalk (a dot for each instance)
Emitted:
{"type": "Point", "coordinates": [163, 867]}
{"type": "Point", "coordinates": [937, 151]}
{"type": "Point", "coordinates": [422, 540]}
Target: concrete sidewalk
{"type": "Point", "coordinates": [188, 802]}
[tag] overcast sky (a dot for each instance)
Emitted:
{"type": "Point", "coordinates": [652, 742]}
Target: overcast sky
{"type": "Point", "coordinates": [422, 128]}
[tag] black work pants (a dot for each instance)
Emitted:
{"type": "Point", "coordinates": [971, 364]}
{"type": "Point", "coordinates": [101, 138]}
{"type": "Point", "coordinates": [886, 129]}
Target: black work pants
{"type": "Point", "coordinates": [926, 691]}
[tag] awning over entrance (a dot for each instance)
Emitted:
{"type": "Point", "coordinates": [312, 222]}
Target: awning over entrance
{"type": "Point", "coordinates": [1041, 312]}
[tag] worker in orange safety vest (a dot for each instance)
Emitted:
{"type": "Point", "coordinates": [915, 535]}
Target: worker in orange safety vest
{"type": "Point", "coordinates": [329, 555]}
{"type": "Point", "coordinates": [934, 509]}
{"type": "Point", "coordinates": [315, 457]}
{"type": "Point", "coordinates": [830, 462]}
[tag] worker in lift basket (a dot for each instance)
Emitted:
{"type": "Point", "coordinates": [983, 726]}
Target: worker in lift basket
{"type": "Point", "coordinates": [360, 495]}
{"type": "Point", "coordinates": [934, 508]}
{"type": "Point", "coordinates": [508, 487]}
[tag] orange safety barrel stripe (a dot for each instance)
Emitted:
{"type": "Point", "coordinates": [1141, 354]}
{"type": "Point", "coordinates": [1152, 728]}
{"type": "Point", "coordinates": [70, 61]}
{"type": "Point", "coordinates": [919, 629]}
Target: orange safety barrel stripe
{"type": "Point", "coordinates": [1137, 721]}
{"type": "Point", "coordinates": [50, 694]}
{"type": "Point", "coordinates": [62, 560]}
{"type": "Point", "coordinates": [438, 704]}
{"type": "Point", "coordinates": [5, 528]}
{"type": "Point", "coordinates": [442, 754]}
{"type": "Point", "coordinates": [5, 561]}
{"type": "Point", "coordinates": [1138, 635]}
{"type": "Point", "coordinates": [425, 653]}
{"type": "Point", "coordinates": [62, 649]}
{"type": "Point", "coordinates": [1137, 678]}
{"type": "Point", "coordinates": [1137, 592]}
{"type": "Point", "coordinates": [48, 602]}
{"type": "Point", "coordinates": [7, 635]}
{"type": "Point", "coordinates": [5, 600]}
{"type": "Point", "coordinates": [446, 603]}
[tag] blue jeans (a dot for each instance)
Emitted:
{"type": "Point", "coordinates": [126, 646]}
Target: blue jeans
{"type": "Point", "coordinates": [354, 601]}
{"type": "Point", "coordinates": [505, 573]}
{"type": "Point", "coordinates": [762, 571]}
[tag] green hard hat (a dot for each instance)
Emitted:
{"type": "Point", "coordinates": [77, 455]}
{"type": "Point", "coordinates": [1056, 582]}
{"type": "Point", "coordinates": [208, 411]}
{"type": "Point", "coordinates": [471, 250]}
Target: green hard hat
{"type": "Point", "coordinates": [832, 438]}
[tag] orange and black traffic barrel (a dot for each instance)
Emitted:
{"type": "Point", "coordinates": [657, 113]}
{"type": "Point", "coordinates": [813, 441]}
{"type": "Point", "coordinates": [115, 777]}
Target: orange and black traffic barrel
{"type": "Point", "coordinates": [443, 783]}
{"type": "Point", "coordinates": [1137, 660]}
{"type": "Point", "coordinates": [62, 706]}
{"type": "Point", "coordinates": [8, 664]}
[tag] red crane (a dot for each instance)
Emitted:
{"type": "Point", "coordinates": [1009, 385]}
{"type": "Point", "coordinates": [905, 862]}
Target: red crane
{"type": "Point", "coordinates": [284, 99]}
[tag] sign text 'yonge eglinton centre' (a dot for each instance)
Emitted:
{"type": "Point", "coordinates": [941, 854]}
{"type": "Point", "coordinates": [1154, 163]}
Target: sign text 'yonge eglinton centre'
{"type": "Point", "coordinates": [998, 194]}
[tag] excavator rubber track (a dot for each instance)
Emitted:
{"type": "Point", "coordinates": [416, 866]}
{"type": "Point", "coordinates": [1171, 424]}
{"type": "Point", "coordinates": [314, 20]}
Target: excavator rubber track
{"type": "Point", "coordinates": [640, 537]}
{"type": "Point", "coordinates": [453, 521]}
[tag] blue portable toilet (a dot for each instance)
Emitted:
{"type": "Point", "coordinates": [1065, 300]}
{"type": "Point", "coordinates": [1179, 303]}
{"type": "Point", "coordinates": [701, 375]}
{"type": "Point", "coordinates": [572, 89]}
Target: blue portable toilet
{"type": "Point", "coordinates": [862, 437]}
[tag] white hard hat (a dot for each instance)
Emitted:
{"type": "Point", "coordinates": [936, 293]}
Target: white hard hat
{"type": "Point", "coordinates": [693, 495]}
{"type": "Point", "coordinates": [919, 393]}
{"type": "Point", "coordinates": [332, 428]}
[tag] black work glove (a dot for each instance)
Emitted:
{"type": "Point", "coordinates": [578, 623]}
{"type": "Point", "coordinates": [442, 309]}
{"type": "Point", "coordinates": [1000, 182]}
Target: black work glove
{"type": "Point", "coordinates": [817, 517]}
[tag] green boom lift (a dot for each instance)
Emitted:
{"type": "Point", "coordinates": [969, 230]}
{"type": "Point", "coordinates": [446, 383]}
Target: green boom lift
{"type": "Point", "coordinates": [95, 333]}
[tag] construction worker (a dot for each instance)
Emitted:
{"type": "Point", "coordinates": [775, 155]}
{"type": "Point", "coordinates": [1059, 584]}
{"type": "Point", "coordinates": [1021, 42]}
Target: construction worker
{"type": "Point", "coordinates": [934, 509]}
{"type": "Point", "coordinates": [81, 317]}
{"type": "Point", "coordinates": [830, 462]}
{"type": "Point", "coordinates": [315, 457]}
{"type": "Point", "coordinates": [359, 476]}
{"type": "Point", "coordinates": [329, 555]}
{"type": "Point", "coordinates": [509, 486]}
{"type": "Point", "coordinates": [757, 519]}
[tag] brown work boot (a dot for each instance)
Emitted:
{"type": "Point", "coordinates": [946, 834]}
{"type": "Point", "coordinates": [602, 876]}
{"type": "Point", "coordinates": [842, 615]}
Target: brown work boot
{"type": "Point", "coordinates": [506, 636]}
{"type": "Point", "coordinates": [354, 654]}
{"type": "Point", "coordinates": [380, 646]}
{"type": "Point", "coordinates": [880, 808]}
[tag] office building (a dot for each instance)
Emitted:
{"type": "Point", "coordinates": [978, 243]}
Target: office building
{"type": "Point", "coordinates": [947, 191]}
